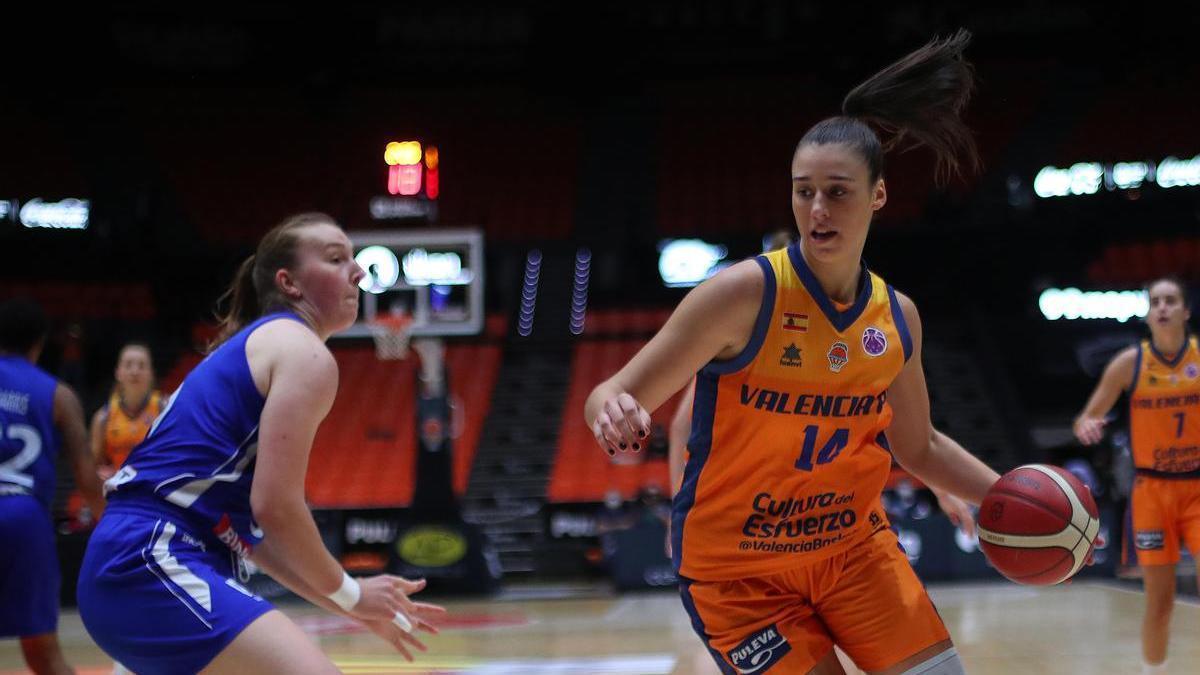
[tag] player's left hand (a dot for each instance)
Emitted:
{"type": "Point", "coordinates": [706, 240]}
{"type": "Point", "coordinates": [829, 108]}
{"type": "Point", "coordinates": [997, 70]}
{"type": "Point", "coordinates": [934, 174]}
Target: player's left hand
{"type": "Point", "coordinates": [958, 511]}
{"type": "Point", "coordinates": [396, 637]}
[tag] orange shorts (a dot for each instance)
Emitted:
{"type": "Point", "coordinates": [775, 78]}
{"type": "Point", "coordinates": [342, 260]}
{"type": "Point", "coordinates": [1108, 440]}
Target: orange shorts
{"type": "Point", "coordinates": [1164, 511]}
{"type": "Point", "coordinates": [867, 600]}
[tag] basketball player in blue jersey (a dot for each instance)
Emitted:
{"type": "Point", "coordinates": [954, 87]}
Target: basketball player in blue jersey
{"type": "Point", "coordinates": [219, 480]}
{"type": "Point", "coordinates": [38, 416]}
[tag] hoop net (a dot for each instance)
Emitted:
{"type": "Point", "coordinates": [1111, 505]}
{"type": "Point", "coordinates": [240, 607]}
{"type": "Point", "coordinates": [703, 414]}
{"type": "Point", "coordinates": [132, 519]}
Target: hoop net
{"type": "Point", "coordinates": [391, 333]}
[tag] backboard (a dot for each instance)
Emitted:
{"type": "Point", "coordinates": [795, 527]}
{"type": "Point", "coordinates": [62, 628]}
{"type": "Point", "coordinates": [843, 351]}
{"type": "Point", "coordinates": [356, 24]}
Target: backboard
{"type": "Point", "coordinates": [436, 275]}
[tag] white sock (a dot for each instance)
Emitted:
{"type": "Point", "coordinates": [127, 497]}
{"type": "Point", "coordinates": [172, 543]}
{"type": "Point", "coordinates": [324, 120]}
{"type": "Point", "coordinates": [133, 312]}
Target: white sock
{"type": "Point", "coordinates": [1159, 669]}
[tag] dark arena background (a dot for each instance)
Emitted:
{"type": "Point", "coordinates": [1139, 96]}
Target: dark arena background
{"type": "Point", "coordinates": [540, 184]}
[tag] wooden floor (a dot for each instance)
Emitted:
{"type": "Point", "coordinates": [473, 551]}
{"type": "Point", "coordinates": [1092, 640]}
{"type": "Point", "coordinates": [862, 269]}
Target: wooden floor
{"type": "Point", "coordinates": [1086, 627]}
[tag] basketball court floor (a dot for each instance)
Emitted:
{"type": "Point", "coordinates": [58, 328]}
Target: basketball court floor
{"type": "Point", "coordinates": [1085, 627]}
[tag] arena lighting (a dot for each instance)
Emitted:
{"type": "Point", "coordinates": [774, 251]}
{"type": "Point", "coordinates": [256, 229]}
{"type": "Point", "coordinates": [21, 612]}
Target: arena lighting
{"type": "Point", "coordinates": [1072, 304]}
{"type": "Point", "coordinates": [381, 266]}
{"type": "Point", "coordinates": [1085, 178]}
{"type": "Point", "coordinates": [1174, 172]}
{"type": "Point", "coordinates": [68, 214]}
{"type": "Point", "coordinates": [1130, 175]}
{"type": "Point", "coordinates": [687, 262]}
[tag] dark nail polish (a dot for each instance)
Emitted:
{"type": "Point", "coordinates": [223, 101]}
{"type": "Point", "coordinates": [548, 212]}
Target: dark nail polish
{"type": "Point", "coordinates": [622, 446]}
{"type": "Point", "coordinates": [611, 452]}
{"type": "Point", "coordinates": [637, 446]}
{"type": "Point", "coordinates": [642, 434]}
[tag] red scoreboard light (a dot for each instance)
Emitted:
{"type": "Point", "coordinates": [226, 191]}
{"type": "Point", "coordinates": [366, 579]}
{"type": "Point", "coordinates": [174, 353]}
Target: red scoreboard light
{"type": "Point", "coordinates": [412, 170]}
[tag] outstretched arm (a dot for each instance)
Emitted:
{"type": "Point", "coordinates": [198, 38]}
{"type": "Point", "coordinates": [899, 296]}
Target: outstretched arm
{"type": "Point", "coordinates": [1118, 375]}
{"type": "Point", "coordinates": [925, 452]}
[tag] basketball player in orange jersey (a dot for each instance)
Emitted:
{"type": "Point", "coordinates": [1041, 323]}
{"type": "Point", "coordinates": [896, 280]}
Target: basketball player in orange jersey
{"type": "Point", "coordinates": [801, 357]}
{"type": "Point", "coordinates": [958, 511]}
{"type": "Point", "coordinates": [1162, 376]}
{"type": "Point", "coordinates": [123, 422]}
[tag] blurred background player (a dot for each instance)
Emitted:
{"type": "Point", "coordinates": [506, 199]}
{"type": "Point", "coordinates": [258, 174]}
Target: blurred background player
{"type": "Point", "coordinates": [1162, 376]}
{"type": "Point", "coordinates": [220, 479]}
{"type": "Point", "coordinates": [39, 417]}
{"type": "Point", "coordinates": [784, 551]}
{"type": "Point", "coordinates": [131, 408]}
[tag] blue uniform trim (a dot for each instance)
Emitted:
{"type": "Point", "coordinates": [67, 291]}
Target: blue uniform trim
{"type": "Point", "coordinates": [882, 441]}
{"type": "Point", "coordinates": [689, 605]}
{"type": "Point", "coordinates": [840, 320]}
{"type": "Point", "coordinates": [1137, 372]}
{"type": "Point", "coordinates": [1171, 363]}
{"type": "Point", "coordinates": [1129, 551]}
{"type": "Point", "coordinates": [704, 406]}
{"type": "Point", "coordinates": [761, 324]}
{"type": "Point", "coordinates": [901, 323]}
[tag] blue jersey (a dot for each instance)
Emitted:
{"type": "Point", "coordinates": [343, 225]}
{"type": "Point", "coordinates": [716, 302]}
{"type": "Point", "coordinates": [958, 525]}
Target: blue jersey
{"type": "Point", "coordinates": [196, 464]}
{"type": "Point", "coordinates": [29, 442]}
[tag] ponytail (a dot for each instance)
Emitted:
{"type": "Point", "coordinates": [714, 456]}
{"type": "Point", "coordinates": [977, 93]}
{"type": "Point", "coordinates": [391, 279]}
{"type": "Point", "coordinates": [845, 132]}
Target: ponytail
{"type": "Point", "coordinates": [253, 291]}
{"type": "Point", "coordinates": [240, 300]}
{"type": "Point", "coordinates": [917, 100]}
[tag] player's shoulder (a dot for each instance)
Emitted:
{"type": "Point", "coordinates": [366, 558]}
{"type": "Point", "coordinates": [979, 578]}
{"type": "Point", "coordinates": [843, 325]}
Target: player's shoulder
{"type": "Point", "coordinates": [907, 307]}
{"type": "Point", "coordinates": [1127, 356]}
{"type": "Point", "coordinates": [291, 343]}
{"type": "Point", "coordinates": [743, 276]}
{"type": "Point", "coordinates": [738, 286]}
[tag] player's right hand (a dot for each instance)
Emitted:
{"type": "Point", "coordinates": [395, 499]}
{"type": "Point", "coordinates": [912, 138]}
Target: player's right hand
{"type": "Point", "coordinates": [1089, 430]}
{"type": "Point", "coordinates": [623, 424]}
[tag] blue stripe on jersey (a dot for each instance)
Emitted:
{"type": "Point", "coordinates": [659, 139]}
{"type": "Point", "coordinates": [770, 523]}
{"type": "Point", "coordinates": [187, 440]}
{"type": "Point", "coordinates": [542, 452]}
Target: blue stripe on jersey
{"type": "Point", "coordinates": [840, 320]}
{"type": "Point", "coordinates": [761, 323]}
{"type": "Point", "coordinates": [689, 605]}
{"type": "Point", "coordinates": [197, 462]}
{"type": "Point", "coordinates": [901, 323]}
{"type": "Point", "coordinates": [29, 441]}
{"type": "Point", "coordinates": [704, 406]}
{"type": "Point", "coordinates": [1137, 371]}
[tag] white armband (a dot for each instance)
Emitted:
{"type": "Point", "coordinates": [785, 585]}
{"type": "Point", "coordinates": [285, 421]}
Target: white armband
{"type": "Point", "coordinates": [347, 596]}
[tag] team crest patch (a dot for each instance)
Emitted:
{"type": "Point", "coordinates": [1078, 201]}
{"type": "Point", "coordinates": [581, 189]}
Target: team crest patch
{"type": "Point", "coordinates": [761, 650]}
{"type": "Point", "coordinates": [791, 356]}
{"type": "Point", "coordinates": [874, 341]}
{"type": "Point", "coordinates": [839, 356]}
{"type": "Point", "coordinates": [1192, 371]}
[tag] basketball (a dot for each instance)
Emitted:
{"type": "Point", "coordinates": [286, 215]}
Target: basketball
{"type": "Point", "coordinates": [1037, 525]}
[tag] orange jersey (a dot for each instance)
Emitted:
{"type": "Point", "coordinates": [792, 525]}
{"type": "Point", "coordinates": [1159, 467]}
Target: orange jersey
{"type": "Point", "coordinates": [1164, 410]}
{"type": "Point", "coordinates": [787, 457]}
{"type": "Point", "coordinates": [122, 432]}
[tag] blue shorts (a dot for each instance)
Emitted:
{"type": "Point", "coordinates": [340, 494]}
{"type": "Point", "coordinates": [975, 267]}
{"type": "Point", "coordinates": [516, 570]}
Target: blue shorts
{"type": "Point", "coordinates": [29, 576]}
{"type": "Point", "coordinates": [159, 599]}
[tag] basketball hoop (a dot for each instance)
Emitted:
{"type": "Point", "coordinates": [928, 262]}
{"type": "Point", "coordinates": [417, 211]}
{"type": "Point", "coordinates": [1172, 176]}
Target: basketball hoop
{"type": "Point", "coordinates": [391, 333]}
